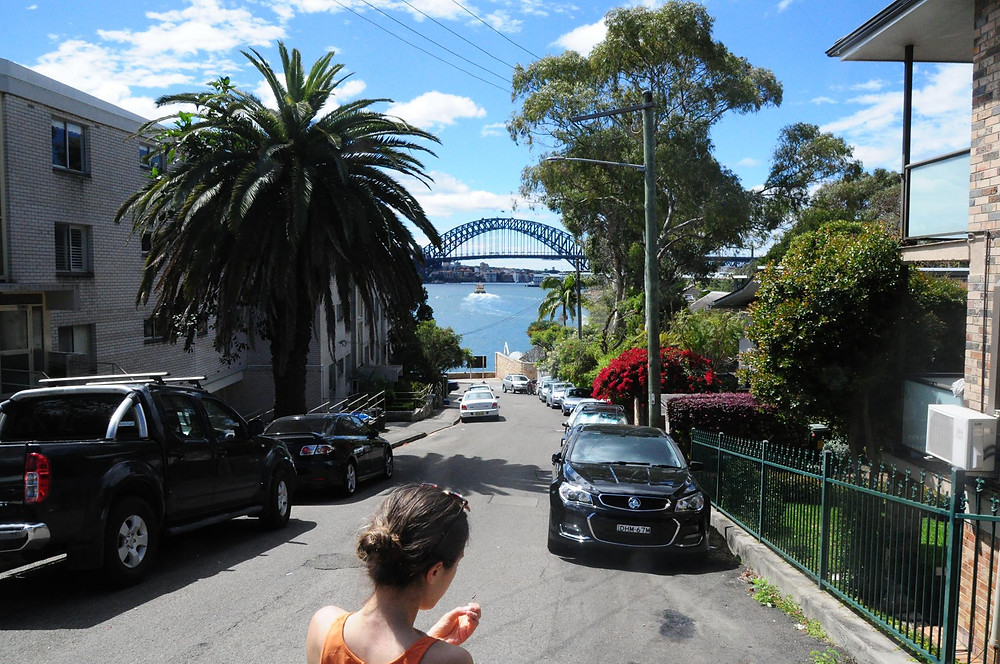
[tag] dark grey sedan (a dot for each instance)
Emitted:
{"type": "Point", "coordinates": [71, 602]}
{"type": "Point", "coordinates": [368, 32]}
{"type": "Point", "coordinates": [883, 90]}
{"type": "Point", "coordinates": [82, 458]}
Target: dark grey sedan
{"type": "Point", "coordinates": [333, 449]}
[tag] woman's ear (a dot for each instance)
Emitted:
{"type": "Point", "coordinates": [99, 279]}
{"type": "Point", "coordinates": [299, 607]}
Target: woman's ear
{"type": "Point", "coordinates": [434, 572]}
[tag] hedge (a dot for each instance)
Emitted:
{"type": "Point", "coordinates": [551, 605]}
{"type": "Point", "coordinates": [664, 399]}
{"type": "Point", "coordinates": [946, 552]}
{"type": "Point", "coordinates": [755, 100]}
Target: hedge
{"type": "Point", "coordinates": [736, 414]}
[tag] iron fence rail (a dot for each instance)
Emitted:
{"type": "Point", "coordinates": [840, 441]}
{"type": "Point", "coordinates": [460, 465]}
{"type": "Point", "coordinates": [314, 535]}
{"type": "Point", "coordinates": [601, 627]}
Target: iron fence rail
{"type": "Point", "coordinates": [908, 550]}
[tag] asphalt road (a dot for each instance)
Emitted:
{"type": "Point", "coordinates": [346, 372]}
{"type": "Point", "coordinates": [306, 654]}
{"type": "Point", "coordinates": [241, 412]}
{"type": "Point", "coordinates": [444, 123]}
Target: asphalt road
{"type": "Point", "coordinates": [234, 593]}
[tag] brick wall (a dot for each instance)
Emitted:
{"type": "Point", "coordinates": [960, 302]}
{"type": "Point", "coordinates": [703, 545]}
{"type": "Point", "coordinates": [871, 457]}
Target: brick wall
{"type": "Point", "coordinates": [507, 365]}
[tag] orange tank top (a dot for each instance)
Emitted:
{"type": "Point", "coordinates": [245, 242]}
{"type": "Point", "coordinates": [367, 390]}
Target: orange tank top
{"type": "Point", "coordinates": [335, 651]}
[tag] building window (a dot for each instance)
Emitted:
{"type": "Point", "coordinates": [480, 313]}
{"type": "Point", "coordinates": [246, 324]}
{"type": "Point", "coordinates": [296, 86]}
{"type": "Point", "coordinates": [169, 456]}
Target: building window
{"type": "Point", "coordinates": [72, 248]}
{"type": "Point", "coordinates": [148, 160]}
{"type": "Point", "coordinates": [67, 146]}
{"type": "Point", "coordinates": [155, 328]}
{"type": "Point", "coordinates": [146, 242]}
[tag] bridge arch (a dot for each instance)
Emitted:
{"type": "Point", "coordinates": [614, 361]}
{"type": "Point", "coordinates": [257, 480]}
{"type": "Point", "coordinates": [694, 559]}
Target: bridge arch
{"type": "Point", "coordinates": [512, 238]}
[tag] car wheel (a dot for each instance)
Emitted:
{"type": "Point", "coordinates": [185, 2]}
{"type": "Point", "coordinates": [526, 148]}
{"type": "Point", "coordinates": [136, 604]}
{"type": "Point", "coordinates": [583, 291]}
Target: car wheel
{"type": "Point", "coordinates": [131, 539]}
{"type": "Point", "coordinates": [387, 461]}
{"type": "Point", "coordinates": [505, 389]}
{"type": "Point", "coordinates": [350, 479]}
{"type": "Point", "coordinates": [277, 501]}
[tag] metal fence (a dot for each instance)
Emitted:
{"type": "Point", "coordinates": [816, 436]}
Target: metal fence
{"type": "Point", "coordinates": [915, 553]}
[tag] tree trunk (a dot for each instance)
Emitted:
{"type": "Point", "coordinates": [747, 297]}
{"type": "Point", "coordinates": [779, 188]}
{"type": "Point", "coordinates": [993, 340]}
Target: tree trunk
{"type": "Point", "coordinates": [288, 360]}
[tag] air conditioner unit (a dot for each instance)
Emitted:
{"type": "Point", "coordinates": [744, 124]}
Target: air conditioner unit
{"type": "Point", "coordinates": [963, 437]}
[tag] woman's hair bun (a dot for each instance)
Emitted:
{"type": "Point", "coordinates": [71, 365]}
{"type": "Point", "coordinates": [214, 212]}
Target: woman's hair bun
{"type": "Point", "coordinates": [377, 544]}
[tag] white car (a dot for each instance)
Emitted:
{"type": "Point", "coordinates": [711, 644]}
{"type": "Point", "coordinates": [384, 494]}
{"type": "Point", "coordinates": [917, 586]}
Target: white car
{"type": "Point", "coordinates": [555, 395]}
{"type": "Point", "coordinates": [479, 402]}
{"type": "Point", "coordinates": [515, 383]}
{"type": "Point", "coordinates": [591, 406]}
{"type": "Point", "coordinates": [543, 386]}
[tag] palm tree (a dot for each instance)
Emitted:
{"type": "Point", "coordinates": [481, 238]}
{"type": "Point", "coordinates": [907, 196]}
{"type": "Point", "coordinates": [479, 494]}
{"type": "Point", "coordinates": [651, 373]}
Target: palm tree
{"type": "Point", "coordinates": [262, 210]}
{"type": "Point", "coordinates": [561, 296]}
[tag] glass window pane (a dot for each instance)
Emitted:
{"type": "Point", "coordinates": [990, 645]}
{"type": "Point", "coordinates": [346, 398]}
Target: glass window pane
{"type": "Point", "coordinates": [59, 144]}
{"type": "Point", "coordinates": [13, 330]}
{"type": "Point", "coordinates": [939, 197]}
{"type": "Point", "coordinates": [74, 146]}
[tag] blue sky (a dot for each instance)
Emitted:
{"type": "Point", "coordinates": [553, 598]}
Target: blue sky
{"type": "Point", "coordinates": [129, 53]}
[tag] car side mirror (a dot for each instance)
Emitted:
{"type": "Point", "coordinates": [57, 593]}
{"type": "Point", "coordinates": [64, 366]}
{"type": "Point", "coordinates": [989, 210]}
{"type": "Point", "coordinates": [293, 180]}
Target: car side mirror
{"type": "Point", "coordinates": [256, 427]}
{"type": "Point", "coordinates": [565, 425]}
{"type": "Point", "coordinates": [695, 466]}
{"type": "Point", "coordinates": [372, 433]}
{"type": "Point", "coordinates": [557, 458]}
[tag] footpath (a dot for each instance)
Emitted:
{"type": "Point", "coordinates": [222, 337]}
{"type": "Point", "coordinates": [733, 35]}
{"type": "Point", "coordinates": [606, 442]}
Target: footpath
{"type": "Point", "coordinates": [864, 643]}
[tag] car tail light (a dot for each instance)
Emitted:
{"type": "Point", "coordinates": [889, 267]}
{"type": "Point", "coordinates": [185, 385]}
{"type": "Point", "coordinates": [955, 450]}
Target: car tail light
{"type": "Point", "coordinates": [313, 450]}
{"type": "Point", "coordinates": [37, 478]}
{"type": "Point", "coordinates": [495, 405]}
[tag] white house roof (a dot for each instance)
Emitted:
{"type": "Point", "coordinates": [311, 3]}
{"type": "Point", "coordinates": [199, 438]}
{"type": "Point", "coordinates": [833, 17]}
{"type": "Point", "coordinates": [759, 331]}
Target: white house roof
{"type": "Point", "coordinates": [939, 30]}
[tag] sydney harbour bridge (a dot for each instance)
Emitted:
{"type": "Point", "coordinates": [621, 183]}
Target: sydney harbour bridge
{"type": "Point", "coordinates": [504, 237]}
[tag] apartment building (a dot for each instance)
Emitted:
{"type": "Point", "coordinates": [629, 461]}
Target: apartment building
{"type": "Point", "coordinates": [69, 275]}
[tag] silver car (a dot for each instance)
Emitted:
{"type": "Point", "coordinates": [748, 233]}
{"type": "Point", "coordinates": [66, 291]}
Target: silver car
{"type": "Point", "coordinates": [515, 383]}
{"type": "Point", "coordinates": [555, 395]}
{"type": "Point", "coordinates": [544, 383]}
{"type": "Point", "coordinates": [573, 396]}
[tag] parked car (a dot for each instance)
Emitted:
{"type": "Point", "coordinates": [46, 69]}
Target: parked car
{"type": "Point", "coordinates": [573, 396]}
{"type": "Point", "coordinates": [624, 486]}
{"type": "Point", "coordinates": [515, 383]}
{"type": "Point", "coordinates": [541, 388]}
{"type": "Point", "coordinates": [333, 449]}
{"type": "Point", "coordinates": [592, 405]}
{"type": "Point", "coordinates": [102, 472]}
{"type": "Point", "coordinates": [556, 391]}
{"type": "Point", "coordinates": [479, 402]}
{"type": "Point", "coordinates": [611, 415]}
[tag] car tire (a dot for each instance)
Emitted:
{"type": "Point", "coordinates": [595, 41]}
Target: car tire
{"type": "Point", "coordinates": [277, 501]}
{"type": "Point", "coordinates": [387, 463]}
{"type": "Point", "coordinates": [504, 389]}
{"type": "Point", "coordinates": [349, 479]}
{"type": "Point", "coordinates": [131, 540]}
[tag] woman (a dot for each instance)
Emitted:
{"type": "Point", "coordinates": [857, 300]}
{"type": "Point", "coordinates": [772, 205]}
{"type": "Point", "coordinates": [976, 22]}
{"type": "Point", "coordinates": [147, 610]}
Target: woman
{"type": "Point", "coordinates": [411, 549]}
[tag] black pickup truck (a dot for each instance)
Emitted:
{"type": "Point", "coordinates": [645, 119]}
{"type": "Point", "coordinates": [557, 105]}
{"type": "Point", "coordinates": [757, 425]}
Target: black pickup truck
{"type": "Point", "coordinates": [98, 473]}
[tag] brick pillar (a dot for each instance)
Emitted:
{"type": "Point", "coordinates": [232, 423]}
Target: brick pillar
{"type": "Point", "coordinates": [984, 206]}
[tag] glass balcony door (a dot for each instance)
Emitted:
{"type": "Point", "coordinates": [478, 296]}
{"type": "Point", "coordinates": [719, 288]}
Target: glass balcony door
{"type": "Point", "coordinates": [22, 352]}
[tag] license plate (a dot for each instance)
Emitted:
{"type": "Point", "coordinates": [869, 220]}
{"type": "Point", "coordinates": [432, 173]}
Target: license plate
{"type": "Point", "coordinates": [637, 530]}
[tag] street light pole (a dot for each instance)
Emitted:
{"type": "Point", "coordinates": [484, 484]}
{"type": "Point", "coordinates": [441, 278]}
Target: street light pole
{"type": "Point", "coordinates": [651, 236]}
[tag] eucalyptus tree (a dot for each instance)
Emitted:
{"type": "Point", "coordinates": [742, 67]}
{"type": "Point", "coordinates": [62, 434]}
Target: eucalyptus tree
{"type": "Point", "coordinates": [265, 215]}
{"type": "Point", "coordinates": [696, 81]}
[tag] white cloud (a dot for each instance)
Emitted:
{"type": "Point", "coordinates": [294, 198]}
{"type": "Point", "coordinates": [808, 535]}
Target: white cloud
{"type": "Point", "coordinates": [748, 161]}
{"type": "Point", "coordinates": [450, 197]}
{"type": "Point", "coordinates": [583, 39]}
{"type": "Point", "coordinates": [873, 85]}
{"type": "Point", "coordinates": [436, 109]}
{"type": "Point", "coordinates": [942, 102]}
{"type": "Point", "coordinates": [822, 100]}
{"type": "Point", "coordinates": [494, 129]}
{"type": "Point", "coordinates": [784, 4]}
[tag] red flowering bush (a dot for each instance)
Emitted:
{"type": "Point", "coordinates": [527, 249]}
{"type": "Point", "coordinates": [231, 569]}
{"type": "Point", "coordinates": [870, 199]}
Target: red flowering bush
{"type": "Point", "coordinates": [681, 371]}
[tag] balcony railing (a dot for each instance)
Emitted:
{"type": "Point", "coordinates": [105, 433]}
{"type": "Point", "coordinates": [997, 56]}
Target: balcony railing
{"type": "Point", "coordinates": [937, 200]}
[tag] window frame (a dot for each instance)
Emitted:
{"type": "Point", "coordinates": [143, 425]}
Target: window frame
{"type": "Point", "coordinates": [63, 235]}
{"type": "Point", "coordinates": [65, 149]}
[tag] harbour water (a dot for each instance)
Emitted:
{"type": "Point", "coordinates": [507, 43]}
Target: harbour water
{"type": "Point", "coordinates": [487, 320]}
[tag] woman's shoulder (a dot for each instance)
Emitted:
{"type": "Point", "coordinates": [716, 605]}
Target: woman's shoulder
{"type": "Point", "coordinates": [319, 626]}
{"type": "Point", "coordinates": [443, 652]}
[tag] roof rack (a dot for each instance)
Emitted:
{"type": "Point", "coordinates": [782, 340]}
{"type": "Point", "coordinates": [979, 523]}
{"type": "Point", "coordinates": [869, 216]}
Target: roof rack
{"type": "Point", "coordinates": [158, 377]}
{"type": "Point", "coordinates": [110, 378]}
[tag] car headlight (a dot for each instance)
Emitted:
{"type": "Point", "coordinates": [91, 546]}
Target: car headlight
{"type": "Point", "coordinates": [692, 503]}
{"type": "Point", "coordinates": [572, 493]}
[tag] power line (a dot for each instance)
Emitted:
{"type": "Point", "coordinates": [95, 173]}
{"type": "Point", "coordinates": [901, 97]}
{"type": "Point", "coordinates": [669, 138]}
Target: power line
{"type": "Point", "coordinates": [423, 50]}
{"type": "Point", "coordinates": [502, 320]}
{"type": "Point", "coordinates": [495, 30]}
{"type": "Point", "coordinates": [470, 43]}
{"type": "Point", "coordinates": [423, 36]}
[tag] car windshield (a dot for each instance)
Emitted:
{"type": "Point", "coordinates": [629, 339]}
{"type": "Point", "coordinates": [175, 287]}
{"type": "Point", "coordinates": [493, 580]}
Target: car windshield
{"type": "Point", "coordinates": [604, 417]}
{"type": "Point", "coordinates": [293, 425]}
{"type": "Point", "coordinates": [606, 447]}
{"type": "Point", "coordinates": [578, 392]}
{"type": "Point", "coordinates": [479, 394]}
{"type": "Point", "coordinates": [519, 377]}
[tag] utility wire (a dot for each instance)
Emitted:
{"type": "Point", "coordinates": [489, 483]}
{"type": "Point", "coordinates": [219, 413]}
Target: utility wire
{"type": "Point", "coordinates": [423, 36]}
{"type": "Point", "coordinates": [470, 43]}
{"type": "Point", "coordinates": [495, 30]}
{"type": "Point", "coordinates": [502, 320]}
{"type": "Point", "coordinates": [423, 50]}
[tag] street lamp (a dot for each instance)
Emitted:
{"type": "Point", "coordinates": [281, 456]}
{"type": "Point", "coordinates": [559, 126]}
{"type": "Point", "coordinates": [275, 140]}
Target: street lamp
{"type": "Point", "coordinates": [652, 279]}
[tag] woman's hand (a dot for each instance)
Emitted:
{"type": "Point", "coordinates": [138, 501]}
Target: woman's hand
{"type": "Point", "coordinates": [457, 625]}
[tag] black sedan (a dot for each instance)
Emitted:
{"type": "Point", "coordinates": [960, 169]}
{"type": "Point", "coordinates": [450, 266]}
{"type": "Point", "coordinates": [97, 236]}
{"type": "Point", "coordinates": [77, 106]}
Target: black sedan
{"type": "Point", "coordinates": [333, 449]}
{"type": "Point", "coordinates": [624, 486]}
